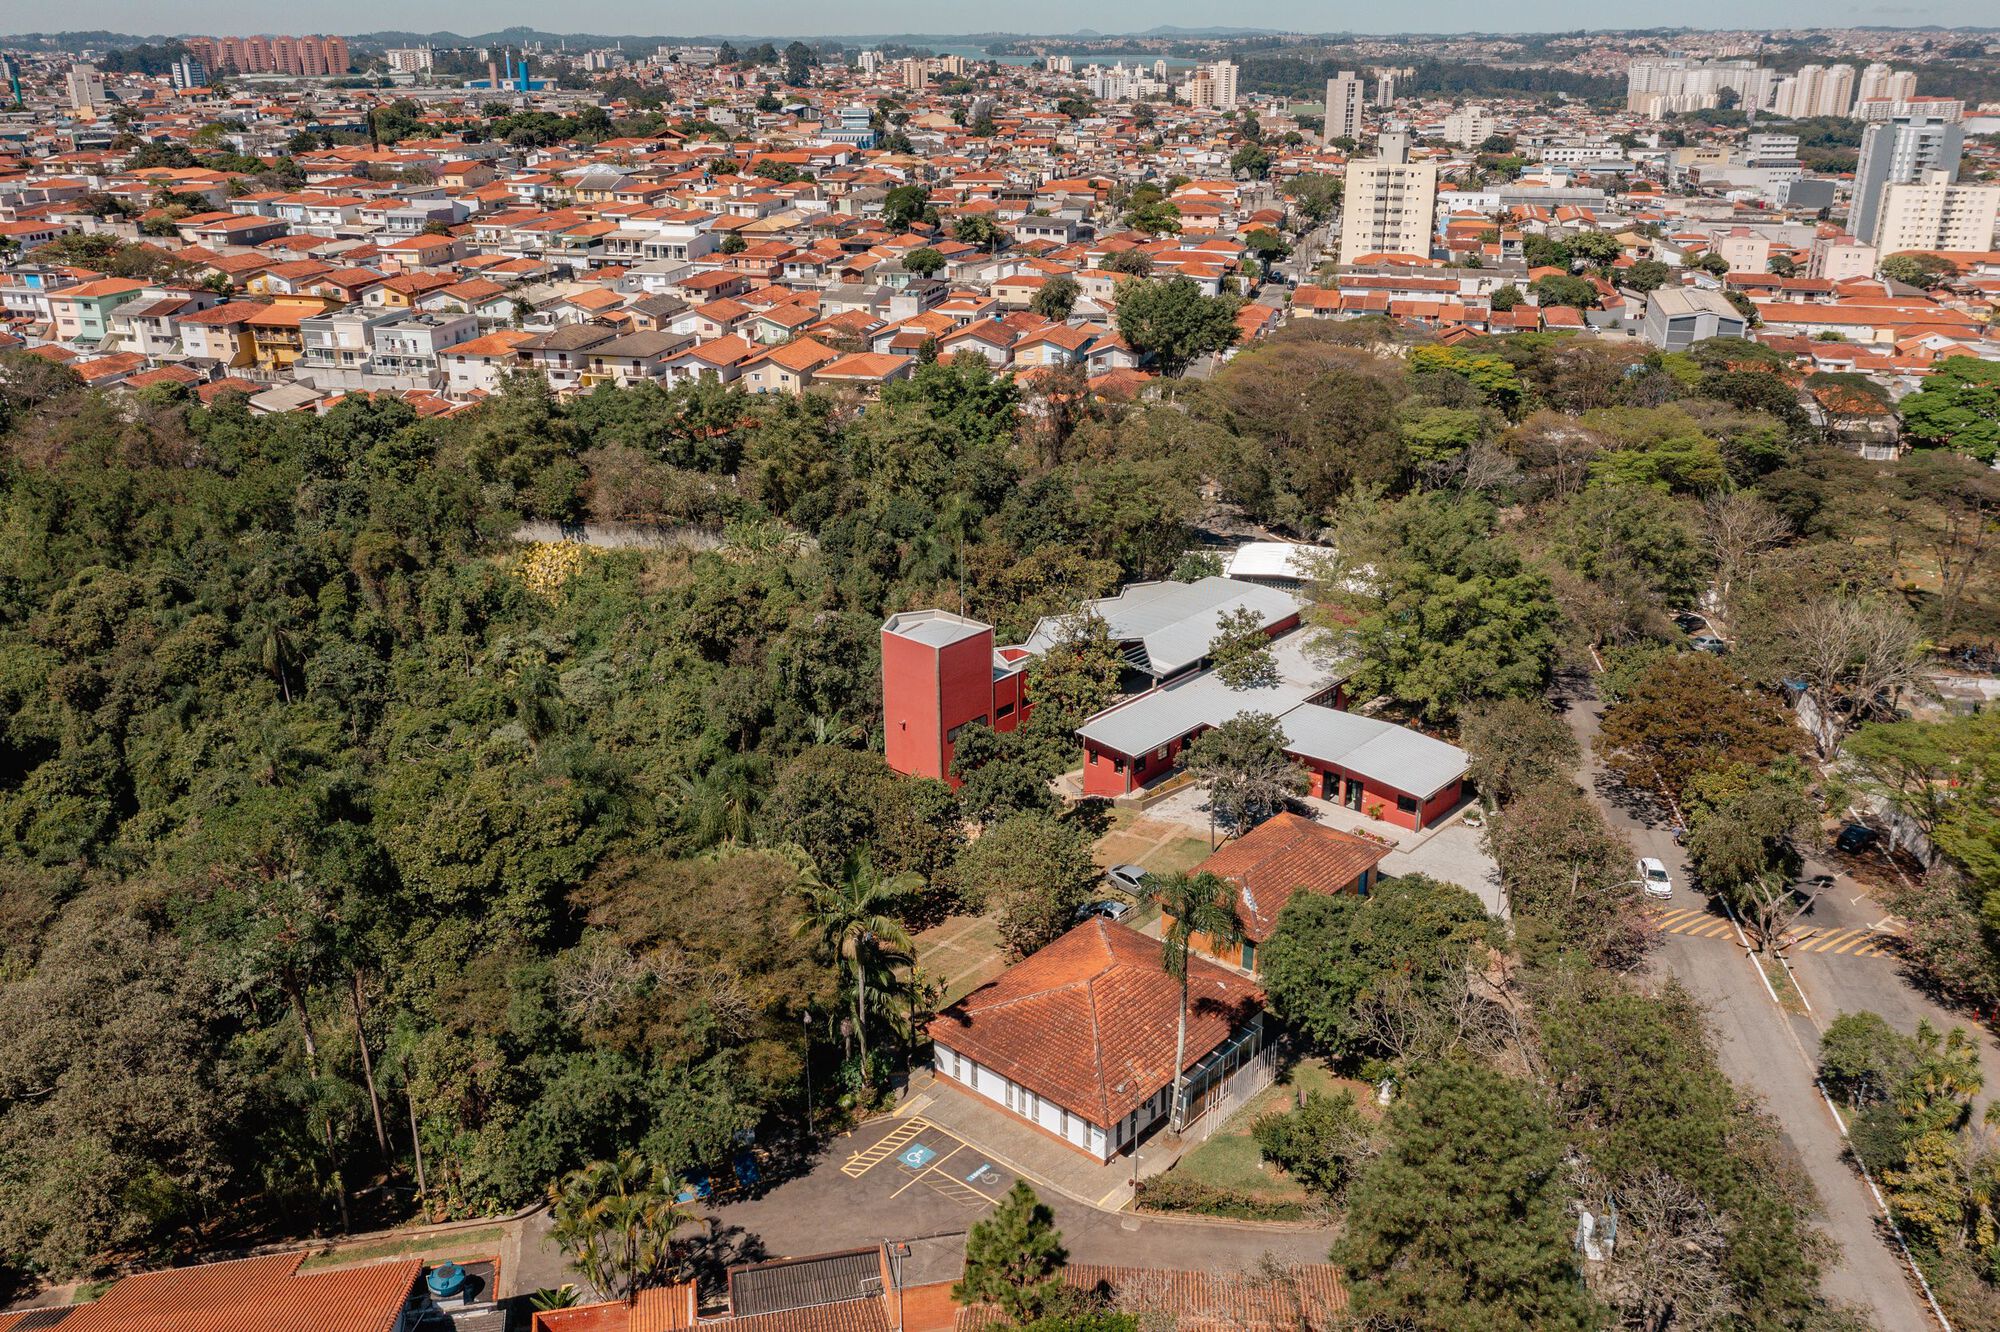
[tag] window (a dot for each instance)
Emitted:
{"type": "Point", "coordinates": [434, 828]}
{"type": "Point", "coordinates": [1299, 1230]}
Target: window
{"type": "Point", "coordinates": [1006, 710]}
{"type": "Point", "coordinates": [1407, 804]}
{"type": "Point", "coordinates": [1118, 765]}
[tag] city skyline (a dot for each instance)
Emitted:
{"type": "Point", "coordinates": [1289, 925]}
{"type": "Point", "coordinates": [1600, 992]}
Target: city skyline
{"type": "Point", "coordinates": [1033, 18]}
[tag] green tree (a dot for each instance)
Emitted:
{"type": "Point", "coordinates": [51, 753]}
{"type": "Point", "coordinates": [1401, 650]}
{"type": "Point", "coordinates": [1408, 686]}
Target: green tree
{"type": "Point", "coordinates": [904, 205]}
{"type": "Point", "coordinates": [1647, 275]}
{"type": "Point", "coordinates": [1505, 297]}
{"type": "Point", "coordinates": [1514, 744]}
{"type": "Point", "coordinates": [1191, 904]}
{"type": "Point", "coordinates": [1014, 1258]}
{"type": "Point", "coordinates": [1243, 764]}
{"type": "Point", "coordinates": [854, 922]}
{"type": "Point", "coordinates": [1562, 289]}
{"type": "Point", "coordinates": [617, 1221]}
{"type": "Point", "coordinates": [1158, 217]}
{"type": "Point", "coordinates": [1321, 1144]}
{"type": "Point", "coordinates": [1863, 1060]}
{"type": "Point", "coordinates": [978, 229]}
{"type": "Point", "coordinates": [924, 261]}
{"type": "Point", "coordinates": [1172, 323]}
{"type": "Point", "coordinates": [1462, 1224]}
{"type": "Point", "coordinates": [1241, 651]}
{"type": "Point", "coordinates": [1055, 298]}
{"type": "Point", "coordinates": [1033, 872]}
{"type": "Point", "coordinates": [1446, 614]}
{"type": "Point", "coordinates": [1316, 196]}
{"type": "Point", "coordinates": [1958, 408]}
{"type": "Point", "coordinates": [1133, 263]}
{"type": "Point", "coordinates": [1922, 271]}
{"type": "Point", "coordinates": [1332, 956]}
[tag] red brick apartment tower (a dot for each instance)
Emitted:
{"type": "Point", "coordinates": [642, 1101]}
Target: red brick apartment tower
{"type": "Point", "coordinates": [940, 673]}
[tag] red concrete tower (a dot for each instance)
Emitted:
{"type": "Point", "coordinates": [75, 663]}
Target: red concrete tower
{"type": "Point", "coordinates": [939, 674]}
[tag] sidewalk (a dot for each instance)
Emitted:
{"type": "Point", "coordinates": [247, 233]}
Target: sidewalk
{"type": "Point", "coordinates": [1036, 1158]}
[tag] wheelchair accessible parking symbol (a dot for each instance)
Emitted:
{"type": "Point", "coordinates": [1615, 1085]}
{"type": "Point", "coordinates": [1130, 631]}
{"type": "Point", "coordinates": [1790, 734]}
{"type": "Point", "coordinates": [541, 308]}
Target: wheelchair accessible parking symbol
{"type": "Point", "coordinates": [916, 1156]}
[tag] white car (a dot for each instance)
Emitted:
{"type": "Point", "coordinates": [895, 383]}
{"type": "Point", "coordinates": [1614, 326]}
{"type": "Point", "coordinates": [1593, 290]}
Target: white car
{"type": "Point", "coordinates": [1654, 878]}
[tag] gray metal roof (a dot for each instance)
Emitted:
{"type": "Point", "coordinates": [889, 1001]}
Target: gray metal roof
{"type": "Point", "coordinates": [1173, 623]}
{"type": "Point", "coordinates": [933, 628]}
{"type": "Point", "coordinates": [1165, 715]}
{"type": "Point", "coordinates": [1394, 755]}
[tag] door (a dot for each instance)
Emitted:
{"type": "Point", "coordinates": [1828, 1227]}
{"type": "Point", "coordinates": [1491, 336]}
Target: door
{"type": "Point", "coordinates": [1350, 790]}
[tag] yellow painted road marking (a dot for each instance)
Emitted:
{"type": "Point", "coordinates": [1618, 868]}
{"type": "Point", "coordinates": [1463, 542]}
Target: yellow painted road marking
{"type": "Point", "coordinates": [1851, 943]}
{"type": "Point", "coordinates": [893, 1141]}
{"type": "Point", "coordinates": [927, 1169]}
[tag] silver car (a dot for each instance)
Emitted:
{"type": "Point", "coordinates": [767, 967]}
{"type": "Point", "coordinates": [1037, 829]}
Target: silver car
{"type": "Point", "coordinates": [1127, 879]}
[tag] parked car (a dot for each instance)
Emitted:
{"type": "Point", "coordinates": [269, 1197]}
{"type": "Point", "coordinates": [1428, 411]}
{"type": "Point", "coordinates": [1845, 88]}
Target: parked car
{"type": "Point", "coordinates": [1654, 878]}
{"type": "Point", "coordinates": [1708, 643]}
{"type": "Point", "coordinates": [1107, 910]}
{"type": "Point", "coordinates": [1855, 838]}
{"type": "Point", "coordinates": [1127, 879]}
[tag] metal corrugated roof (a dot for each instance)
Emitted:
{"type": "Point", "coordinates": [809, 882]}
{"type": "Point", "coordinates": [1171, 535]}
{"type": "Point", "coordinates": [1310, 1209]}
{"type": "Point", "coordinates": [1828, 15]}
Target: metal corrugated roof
{"type": "Point", "coordinates": [804, 1282]}
{"type": "Point", "coordinates": [1173, 622]}
{"type": "Point", "coordinates": [1394, 755]}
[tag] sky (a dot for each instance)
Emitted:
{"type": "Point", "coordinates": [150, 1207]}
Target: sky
{"type": "Point", "coordinates": [842, 17]}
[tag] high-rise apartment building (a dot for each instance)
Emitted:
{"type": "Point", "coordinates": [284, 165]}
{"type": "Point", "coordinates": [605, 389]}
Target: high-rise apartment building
{"type": "Point", "coordinates": [1385, 88]}
{"type": "Point", "coordinates": [1223, 73]}
{"type": "Point", "coordinates": [1470, 126]}
{"type": "Point", "coordinates": [1343, 106]}
{"type": "Point", "coordinates": [915, 76]}
{"type": "Point", "coordinates": [409, 59]}
{"type": "Point", "coordinates": [307, 56]}
{"type": "Point", "coordinates": [1658, 86]}
{"type": "Point", "coordinates": [1391, 202]}
{"type": "Point", "coordinates": [86, 91]}
{"type": "Point", "coordinates": [1899, 152]}
{"type": "Point", "coordinates": [1934, 212]}
{"type": "Point", "coordinates": [187, 72]}
{"type": "Point", "coordinates": [1816, 90]}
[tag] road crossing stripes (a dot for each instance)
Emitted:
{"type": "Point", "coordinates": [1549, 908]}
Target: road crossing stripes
{"type": "Point", "coordinates": [1701, 923]}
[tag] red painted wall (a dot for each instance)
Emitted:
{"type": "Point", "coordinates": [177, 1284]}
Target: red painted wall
{"type": "Point", "coordinates": [912, 738]}
{"type": "Point", "coordinates": [965, 688]}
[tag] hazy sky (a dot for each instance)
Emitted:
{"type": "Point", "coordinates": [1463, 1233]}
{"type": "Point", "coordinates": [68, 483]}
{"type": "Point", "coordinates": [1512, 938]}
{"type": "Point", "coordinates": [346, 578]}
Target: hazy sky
{"type": "Point", "coordinates": [835, 17]}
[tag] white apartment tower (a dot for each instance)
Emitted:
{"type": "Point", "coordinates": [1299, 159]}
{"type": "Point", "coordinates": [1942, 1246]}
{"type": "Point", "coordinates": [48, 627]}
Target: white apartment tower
{"type": "Point", "coordinates": [1343, 106]}
{"type": "Point", "coordinates": [1391, 202]}
{"type": "Point", "coordinates": [1936, 213]}
{"type": "Point", "coordinates": [86, 91]}
{"type": "Point", "coordinates": [1223, 74]}
{"type": "Point", "coordinates": [1900, 151]}
{"type": "Point", "coordinates": [1469, 127]}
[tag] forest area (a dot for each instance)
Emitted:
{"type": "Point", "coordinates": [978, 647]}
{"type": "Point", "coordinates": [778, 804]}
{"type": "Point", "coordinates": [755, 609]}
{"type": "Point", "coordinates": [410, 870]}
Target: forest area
{"type": "Point", "coordinates": [337, 823]}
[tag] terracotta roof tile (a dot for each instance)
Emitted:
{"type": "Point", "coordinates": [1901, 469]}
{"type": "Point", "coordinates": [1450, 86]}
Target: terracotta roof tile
{"type": "Point", "coordinates": [1089, 1021]}
{"type": "Point", "coordinates": [1282, 855]}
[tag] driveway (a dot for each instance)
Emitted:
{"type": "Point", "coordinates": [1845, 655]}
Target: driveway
{"type": "Point", "coordinates": [909, 1176]}
{"type": "Point", "coordinates": [1766, 1052]}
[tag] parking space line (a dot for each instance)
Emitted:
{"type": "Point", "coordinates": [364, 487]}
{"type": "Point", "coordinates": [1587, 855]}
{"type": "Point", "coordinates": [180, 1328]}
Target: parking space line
{"type": "Point", "coordinates": [927, 1170]}
{"type": "Point", "coordinates": [892, 1142]}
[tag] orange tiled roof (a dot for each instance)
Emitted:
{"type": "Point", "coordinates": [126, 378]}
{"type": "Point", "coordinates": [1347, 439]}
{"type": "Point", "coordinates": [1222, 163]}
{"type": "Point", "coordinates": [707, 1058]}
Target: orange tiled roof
{"type": "Point", "coordinates": [1282, 855]}
{"type": "Point", "coordinates": [1089, 1021]}
{"type": "Point", "coordinates": [267, 1293]}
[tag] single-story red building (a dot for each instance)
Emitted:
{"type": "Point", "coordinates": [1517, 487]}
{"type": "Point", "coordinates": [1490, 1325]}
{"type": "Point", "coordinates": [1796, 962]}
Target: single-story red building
{"type": "Point", "coordinates": [1377, 768]}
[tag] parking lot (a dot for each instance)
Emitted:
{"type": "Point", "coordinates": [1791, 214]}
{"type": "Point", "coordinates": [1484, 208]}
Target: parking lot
{"type": "Point", "coordinates": [918, 1155]}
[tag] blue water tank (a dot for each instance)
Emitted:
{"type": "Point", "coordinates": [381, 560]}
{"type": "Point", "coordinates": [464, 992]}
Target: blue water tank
{"type": "Point", "coordinates": [445, 1280]}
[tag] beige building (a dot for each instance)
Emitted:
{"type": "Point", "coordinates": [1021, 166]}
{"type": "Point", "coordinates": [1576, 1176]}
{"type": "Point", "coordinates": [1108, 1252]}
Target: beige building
{"type": "Point", "coordinates": [1935, 214]}
{"type": "Point", "coordinates": [1391, 203]}
{"type": "Point", "coordinates": [1840, 257]}
{"type": "Point", "coordinates": [1470, 127]}
{"type": "Point", "coordinates": [1343, 106]}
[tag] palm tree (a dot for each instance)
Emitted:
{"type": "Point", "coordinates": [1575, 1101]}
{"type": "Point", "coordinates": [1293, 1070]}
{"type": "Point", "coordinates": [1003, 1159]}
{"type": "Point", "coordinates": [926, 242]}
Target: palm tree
{"type": "Point", "coordinates": [852, 919]}
{"type": "Point", "coordinates": [722, 808]}
{"type": "Point", "coordinates": [1191, 904]}
{"type": "Point", "coordinates": [617, 1221]}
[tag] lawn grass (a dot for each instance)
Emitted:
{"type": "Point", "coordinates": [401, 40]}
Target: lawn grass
{"type": "Point", "coordinates": [456, 1245]}
{"type": "Point", "coordinates": [1231, 1160]}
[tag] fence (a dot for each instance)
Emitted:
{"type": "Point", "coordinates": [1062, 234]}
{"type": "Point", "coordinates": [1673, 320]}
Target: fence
{"type": "Point", "coordinates": [1211, 1107]}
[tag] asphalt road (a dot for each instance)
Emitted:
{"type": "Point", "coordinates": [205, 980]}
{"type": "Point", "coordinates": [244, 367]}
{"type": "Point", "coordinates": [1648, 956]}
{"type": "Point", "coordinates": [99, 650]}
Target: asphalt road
{"type": "Point", "coordinates": [1773, 1056]}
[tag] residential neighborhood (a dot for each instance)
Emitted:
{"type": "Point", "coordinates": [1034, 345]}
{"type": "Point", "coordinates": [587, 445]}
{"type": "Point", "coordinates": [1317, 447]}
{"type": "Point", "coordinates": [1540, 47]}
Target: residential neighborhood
{"type": "Point", "coordinates": [1147, 677]}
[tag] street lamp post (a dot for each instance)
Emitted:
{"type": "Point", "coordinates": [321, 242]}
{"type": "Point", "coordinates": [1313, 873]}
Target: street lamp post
{"type": "Point", "coordinates": [805, 1024]}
